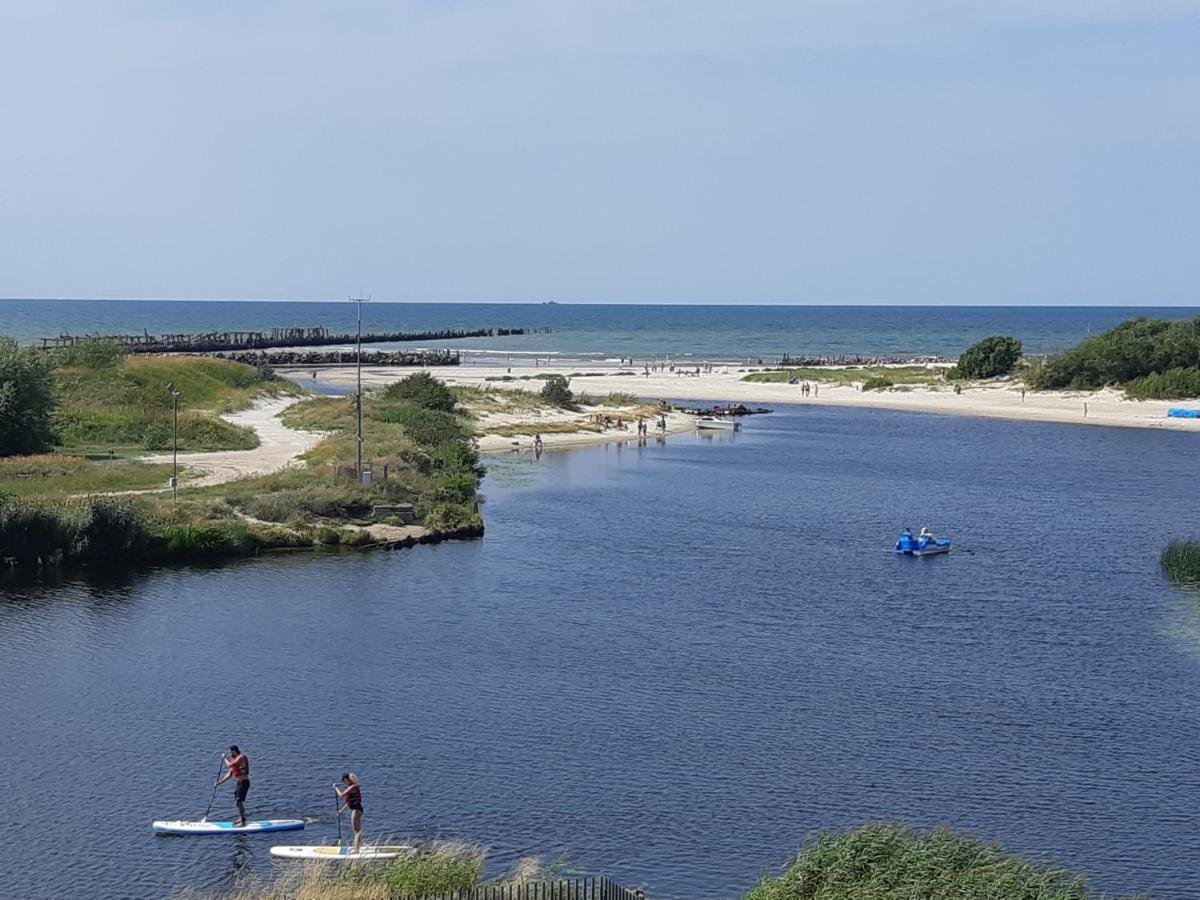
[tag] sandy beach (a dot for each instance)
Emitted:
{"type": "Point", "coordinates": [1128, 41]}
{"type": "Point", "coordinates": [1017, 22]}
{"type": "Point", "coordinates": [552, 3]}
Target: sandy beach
{"type": "Point", "coordinates": [994, 400]}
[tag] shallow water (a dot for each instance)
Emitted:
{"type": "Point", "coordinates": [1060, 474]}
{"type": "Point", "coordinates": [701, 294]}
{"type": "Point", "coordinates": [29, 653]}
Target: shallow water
{"type": "Point", "coordinates": [668, 664]}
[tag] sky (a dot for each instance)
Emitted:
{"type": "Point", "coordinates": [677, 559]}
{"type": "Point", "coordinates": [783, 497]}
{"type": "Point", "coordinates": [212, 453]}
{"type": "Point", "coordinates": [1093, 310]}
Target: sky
{"type": "Point", "coordinates": [665, 151]}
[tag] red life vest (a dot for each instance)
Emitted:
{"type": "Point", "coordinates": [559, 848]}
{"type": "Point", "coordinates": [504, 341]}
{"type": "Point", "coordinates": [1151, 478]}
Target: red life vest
{"type": "Point", "coordinates": [239, 767]}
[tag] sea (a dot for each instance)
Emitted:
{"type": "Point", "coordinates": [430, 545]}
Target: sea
{"type": "Point", "coordinates": [595, 333]}
{"type": "Point", "coordinates": [670, 663]}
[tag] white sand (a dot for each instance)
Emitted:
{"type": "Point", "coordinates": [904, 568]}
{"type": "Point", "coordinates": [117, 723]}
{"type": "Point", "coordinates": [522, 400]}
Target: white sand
{"type": "Point", "coordinates": [996, 400]}
{"type": "Point", "coordinates": [279, 447]}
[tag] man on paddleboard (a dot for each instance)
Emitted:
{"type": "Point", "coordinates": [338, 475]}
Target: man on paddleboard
{"type": "Point", "coordinates": [239, 769]}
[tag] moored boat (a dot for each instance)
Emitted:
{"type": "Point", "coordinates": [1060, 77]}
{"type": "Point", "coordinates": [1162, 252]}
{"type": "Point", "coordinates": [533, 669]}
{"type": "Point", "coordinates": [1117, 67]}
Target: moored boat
{"type": "Point", "coordinates": [718, 423]}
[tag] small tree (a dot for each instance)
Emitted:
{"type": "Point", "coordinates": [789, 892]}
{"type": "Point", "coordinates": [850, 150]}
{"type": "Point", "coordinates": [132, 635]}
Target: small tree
{"type": "Point", "coordinates": [424, 390]}
{"type": "Point", "coordinates": [557, 391]}
{"type": "Point", "coordinates": [995, 355]}
{"type": "Point", "coordinates": [26, 400]}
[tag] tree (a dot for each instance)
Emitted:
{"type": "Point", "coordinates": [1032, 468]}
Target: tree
{"type": "Point", "coordinates": [26, 400]}
{"type": "Point", "coordinates": [995, 355]}
{"type": "Point", "coordinates": [557, 391]}
{"type": "Point", "coordinates": [424, 390]}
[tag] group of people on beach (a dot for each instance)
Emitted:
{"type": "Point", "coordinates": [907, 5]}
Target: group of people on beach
{"type": "Point", "coordinates": [807, 389]}
{"type": "Point", "coordinates": [237, 766]}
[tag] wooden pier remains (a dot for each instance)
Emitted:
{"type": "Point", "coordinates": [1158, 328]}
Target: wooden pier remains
{"type": "Point", "coordinates": [226, 341]}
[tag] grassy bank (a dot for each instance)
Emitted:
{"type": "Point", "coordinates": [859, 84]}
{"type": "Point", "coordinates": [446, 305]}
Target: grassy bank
{"type": "Point", "coordinates": [111, 402]}
{"type": "Point", "coordinates": [875, 376]}
{"type": "Point", "coordinates": [53, 477]}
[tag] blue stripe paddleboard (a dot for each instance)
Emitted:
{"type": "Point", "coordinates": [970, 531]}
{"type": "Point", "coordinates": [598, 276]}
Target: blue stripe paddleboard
{"type": "Point", "coordinates": [203, 827]}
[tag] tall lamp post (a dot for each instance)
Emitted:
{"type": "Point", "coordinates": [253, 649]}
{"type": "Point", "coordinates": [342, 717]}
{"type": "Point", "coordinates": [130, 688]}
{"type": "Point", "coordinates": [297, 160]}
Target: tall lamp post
{"type": "Point", "coordinates": [358, 398]}
{"type": "Point", "coordinates": [174, 442]}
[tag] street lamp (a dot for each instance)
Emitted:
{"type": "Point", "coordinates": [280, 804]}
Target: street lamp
{"type": "Point", "coordinates": [174, 442]}
{"type": "Point", "coordinates": [358, 470]}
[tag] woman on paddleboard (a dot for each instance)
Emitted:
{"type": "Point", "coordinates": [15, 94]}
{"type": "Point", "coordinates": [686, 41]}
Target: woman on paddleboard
{"type": "Point", "coordinates": [351, 795]}
{"type": "Point", "coordinates": [239, 769]}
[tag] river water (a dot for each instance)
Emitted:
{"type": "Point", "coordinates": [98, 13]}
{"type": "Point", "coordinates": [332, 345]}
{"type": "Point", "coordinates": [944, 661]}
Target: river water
{"type": "Point", "coordinates": [667, 664]}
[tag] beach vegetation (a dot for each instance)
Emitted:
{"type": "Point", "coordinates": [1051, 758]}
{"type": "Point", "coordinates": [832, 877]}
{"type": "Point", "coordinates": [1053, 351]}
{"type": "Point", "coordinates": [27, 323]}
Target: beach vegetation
{"type": "Point", "coordinates": [1134, 350]}
{"type": "Point", "coordinates": [989, 358]}
{"type": "Point", "coordinates": [878, 383]}
{"type": "Point", "coordinates": [882, 861]}
{"type": "Point", "coordinates": [557, 391]}
{"type": "Point", "coordinates": [422, 389]}
{"type": "Point", "coordinates": [1174, 384]}
{"type": "Point", "coordinates": [54, 477]}
{"type": "Point", "coordinates": [26, 400]}
{"type": "Point", "coordinates": [848, 375]}
{"type": "Point", "coordinates": [1180, 561]}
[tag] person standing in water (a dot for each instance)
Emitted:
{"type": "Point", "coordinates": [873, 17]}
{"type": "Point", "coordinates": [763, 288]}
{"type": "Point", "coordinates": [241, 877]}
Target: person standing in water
{"type": "Point", "coordinates": [351, 796]}
{"type": "Point", "coordinates": [239, 770]}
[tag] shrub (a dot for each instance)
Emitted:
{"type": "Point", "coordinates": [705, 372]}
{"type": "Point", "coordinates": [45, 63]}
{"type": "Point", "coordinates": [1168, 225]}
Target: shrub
{"type": "Point", "coordinates": [330, 537]}
{"type": "Point", "coordinates": [426, 427]}
{"type": "Point", "coordinates": [106, 530]}
{"type": "Point", "coordinates": [188, 540]}
{"type": "Point", "coordinates": [1133, 349]}
{"type": "Point", "coordinates": [330, 501]}
{"type": "Point", "coordinates": [29, 532]}
{"type": "Point", "coordinates": [1174, 384]}
{"type": "Point", "coordinates": [877, 383]}
{"type": "Point", "coordinates": [422, 389]}
{"type": "Point", "coordinates": [1181, 561]}
{"type": "Point", "coordinates": [89, 355]}
{"type": "Point", "coordinates": [995, 355]}
{"type": "Point", "coordinates": [356, 537]}
{"type": "Point", "coordinates": [446, 869]}
{"type": "Point", "coordinates": [557, 391]}
{"type": "Point", "coordinates": [880, 861]}
{"type": "Point", "coordinates": [443, 518]}
{"type": "Point", "coordinates": [26, 400]}
{"type": "Point", "coordinates": [274, 538]}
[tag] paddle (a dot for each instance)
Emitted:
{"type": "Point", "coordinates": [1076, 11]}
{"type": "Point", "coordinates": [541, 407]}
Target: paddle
{"type": "Point", "coordinates": [337, 802]}
{"type": "Point", "coordinates": [213, 796]}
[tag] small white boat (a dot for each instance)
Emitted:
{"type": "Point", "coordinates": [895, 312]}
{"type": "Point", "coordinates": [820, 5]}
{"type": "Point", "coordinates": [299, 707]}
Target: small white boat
{"type": "Point", "coordinates": [719, 423]}
{"type": "Point", "coordinates": [344, 854]}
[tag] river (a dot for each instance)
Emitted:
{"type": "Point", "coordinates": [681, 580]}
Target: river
{"type": "Point", "coordinates": [667, 664]}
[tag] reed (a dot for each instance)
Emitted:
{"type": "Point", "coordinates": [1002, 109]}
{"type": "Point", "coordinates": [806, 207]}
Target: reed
{"type": "Point", "coordinates": [1181, 561]}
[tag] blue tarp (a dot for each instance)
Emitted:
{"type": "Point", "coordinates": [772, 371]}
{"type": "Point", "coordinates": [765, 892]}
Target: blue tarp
{"type": "Point", "coordinates": [1181, 413]}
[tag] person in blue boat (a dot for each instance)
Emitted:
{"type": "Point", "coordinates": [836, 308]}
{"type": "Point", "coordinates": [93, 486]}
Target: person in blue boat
{"type": "Point", "coordinates": [239, 770]}
{"type": "Point", "coordinates": [926, 535]}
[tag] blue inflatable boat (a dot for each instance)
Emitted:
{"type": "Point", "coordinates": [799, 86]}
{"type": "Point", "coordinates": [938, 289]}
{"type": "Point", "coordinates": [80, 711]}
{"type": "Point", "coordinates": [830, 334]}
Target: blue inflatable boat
{"type": "Point", "coordinates": [921, 545]}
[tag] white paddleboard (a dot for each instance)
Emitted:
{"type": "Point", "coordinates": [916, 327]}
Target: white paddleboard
{"type": "Point", "coordinates": [203, 827]}
{"type": "Point", "coordinates": [343, 853]}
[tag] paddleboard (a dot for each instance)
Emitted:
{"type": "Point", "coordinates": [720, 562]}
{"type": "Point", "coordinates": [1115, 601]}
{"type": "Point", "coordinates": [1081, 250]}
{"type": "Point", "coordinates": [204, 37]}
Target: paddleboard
{"type": "Point", "coordinates": [343, 853]}
{"type": "Point", "coordinates": [228, 827]}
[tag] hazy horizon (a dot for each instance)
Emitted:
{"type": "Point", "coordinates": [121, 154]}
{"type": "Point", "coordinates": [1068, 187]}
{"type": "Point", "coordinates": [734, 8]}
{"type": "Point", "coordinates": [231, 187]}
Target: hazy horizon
{"type": "Point", "coordinates": [679, 153]}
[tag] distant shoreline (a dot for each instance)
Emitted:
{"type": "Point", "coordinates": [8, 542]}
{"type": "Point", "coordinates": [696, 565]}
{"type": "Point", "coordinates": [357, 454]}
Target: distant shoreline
{"type": "Point", "coordinates": [1000, 400]}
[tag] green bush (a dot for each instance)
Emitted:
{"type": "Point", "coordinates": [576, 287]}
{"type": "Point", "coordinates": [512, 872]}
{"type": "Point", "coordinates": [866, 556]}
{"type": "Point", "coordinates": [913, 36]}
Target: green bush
{"type": "Point", "coordinates": [106, 530]}
{"type": "Point", "coordinates": [1131, 350]}
{"type": "Point", "coordinates": [443, 518]}
{"type": "Point", "coordinates": [356, 537]}
{"type": "Point", "coordinates": [557, 391]}
{"type": "Point", "coordinates": [26, 400]}
{"type": "Point", "coordinates": [29, 532]}
{"type": "Point", "coordinates": [1174, 384]}
{"type": "Point", "coordinates": [445, 870]}
{"type": "Point", "coordinates": [1181, 561]}
{"type": "Point", "coordinates": [877, 383]}
{"type": "Point", "coordinates": [207, 539]}
{"type": "Point", "coordinates": [426, 427]}
{"type": "Point", "coordinates": [330, 500]}
{"type": "Point", "coordinates": [891, 862]}
{"type": "Point", "coordinates": [330, 537]}
{"type": "Point", "coordinates": [88, 355]}
{"type": "Point", "coordinates": [995, 355]}
{"type": "Point", "coordinates": [275, 538]}
{"type": "Point", "coordinates": [422, 389]}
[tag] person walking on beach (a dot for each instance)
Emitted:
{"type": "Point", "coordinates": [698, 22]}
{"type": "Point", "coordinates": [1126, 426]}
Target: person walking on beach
{"type": "Point", "coordinates": [239, 769]}
{"type": "Point", "coordinates": [350, 793]}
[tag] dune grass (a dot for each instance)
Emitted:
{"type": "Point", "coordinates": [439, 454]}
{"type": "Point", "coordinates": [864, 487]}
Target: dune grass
{"type": "Point", "coordinates": [851, 375]}
{"type": "Point", "coordinates": [53, 477]}
{"type": "Point", "coordinates": [892, 862]}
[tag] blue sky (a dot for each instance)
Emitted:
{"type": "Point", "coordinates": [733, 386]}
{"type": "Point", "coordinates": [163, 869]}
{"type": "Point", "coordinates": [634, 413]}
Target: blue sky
{"type": "Point", "coordinates": [842, 151]}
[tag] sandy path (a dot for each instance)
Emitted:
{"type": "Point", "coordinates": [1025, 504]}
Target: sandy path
{"type": "Point", "coordinates": [279, 446]}
{"type": "Point", "coordinates": [997, 400]}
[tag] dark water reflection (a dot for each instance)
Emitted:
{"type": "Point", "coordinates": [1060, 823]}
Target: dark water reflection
{"type": "Point", "coordinates": [669, 664]}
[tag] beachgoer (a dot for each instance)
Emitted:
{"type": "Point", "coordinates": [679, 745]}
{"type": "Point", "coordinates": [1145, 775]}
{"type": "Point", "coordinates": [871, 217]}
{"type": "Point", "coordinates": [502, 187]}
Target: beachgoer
{"type": "Point", "coordinates": [239, 770]}
{"type": "Point", "coordinates": [926, 533]}
{"type": "Point", "coordinates": [351, 795]}
{"type": "Point", "coordinates": [1022, 395]}
{"type": "Point", "coordinates": [1085, 410]}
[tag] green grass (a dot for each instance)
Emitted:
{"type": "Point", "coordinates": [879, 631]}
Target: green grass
{"type": "Point", "coordinates": [124, 404]}
{"type": "Point", "coordinates": [50, 477]}
{"type": "Point", "coordinates": [491, 399]}
{"type": "Point", "coordinates": [1181, 561]}
{"type": "Point", "coordinates": [851, 375]}
{"type": "Point", "coordinates": [892, 862]}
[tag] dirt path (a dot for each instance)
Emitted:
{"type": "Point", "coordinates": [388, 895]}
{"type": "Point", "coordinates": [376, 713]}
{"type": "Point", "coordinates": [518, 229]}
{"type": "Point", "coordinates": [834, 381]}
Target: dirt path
{"type": "Point", "coordinates": [279, 446]}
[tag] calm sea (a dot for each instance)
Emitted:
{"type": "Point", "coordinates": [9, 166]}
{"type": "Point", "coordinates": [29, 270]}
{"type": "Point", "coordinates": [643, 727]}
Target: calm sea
{"type": "Point", "coordinates": [605, 332]}
{"type": "Point", "coordinates": [668, 664]}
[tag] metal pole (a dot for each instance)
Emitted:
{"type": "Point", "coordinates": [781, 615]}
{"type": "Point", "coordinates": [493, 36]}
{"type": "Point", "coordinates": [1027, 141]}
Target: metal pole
{"type": "Point", "coordinates": [174, 442]}
{"type": "Point", "coordinates": [359, 469]}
